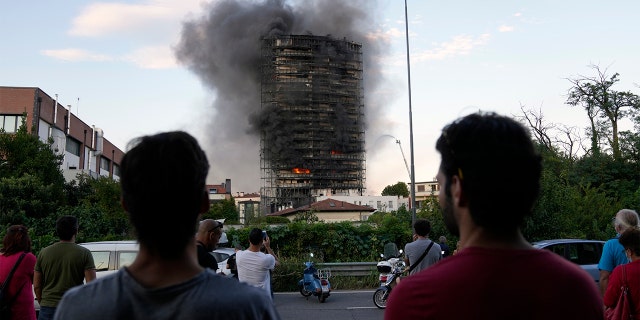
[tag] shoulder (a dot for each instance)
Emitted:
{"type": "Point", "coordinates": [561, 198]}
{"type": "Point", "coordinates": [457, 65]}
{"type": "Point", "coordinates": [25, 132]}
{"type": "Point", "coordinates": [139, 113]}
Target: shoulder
{"type": "Point", "coordinates": [612, 244]}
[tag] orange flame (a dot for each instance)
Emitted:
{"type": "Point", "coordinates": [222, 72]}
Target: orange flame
{"type": "Point", "coordinates": [300, 170]}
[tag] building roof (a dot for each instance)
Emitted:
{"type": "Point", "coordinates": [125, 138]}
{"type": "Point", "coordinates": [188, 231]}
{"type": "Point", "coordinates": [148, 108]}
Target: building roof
{"type": "Point", "coordinates": [248, 195]}
{"type": "Point", "coordinates": [327, 205]}
{"type": "Point", "coordinates": [218, 187]}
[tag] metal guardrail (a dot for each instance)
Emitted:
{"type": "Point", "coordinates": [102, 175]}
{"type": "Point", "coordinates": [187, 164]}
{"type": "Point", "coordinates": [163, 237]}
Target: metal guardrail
{"type": "Point", "coordinates": [354, 269]}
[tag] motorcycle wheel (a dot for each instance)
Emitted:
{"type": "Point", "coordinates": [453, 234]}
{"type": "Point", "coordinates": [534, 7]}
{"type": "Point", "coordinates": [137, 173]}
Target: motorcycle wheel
{"type": "Point", "coordinates": [322, 298]}
{"type": "Point", "coordinates": [380, 298]}
{"type": "Point", "coordinates": [304, 292]}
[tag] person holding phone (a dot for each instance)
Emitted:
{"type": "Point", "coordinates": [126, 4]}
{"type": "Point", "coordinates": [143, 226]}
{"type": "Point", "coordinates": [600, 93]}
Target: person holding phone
{"type": "Point", "coordinates": [253, 265]}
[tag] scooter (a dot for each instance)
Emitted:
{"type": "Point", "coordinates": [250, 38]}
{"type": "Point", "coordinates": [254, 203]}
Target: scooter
{"type": "Point", "coordinates": [385, 267]}
{"type": "Point", "coordinates": [315, 282]}
{"type": "Point", "coordinates": [390, 279]}
{"type": "Point", "coordinates": [388, 259]}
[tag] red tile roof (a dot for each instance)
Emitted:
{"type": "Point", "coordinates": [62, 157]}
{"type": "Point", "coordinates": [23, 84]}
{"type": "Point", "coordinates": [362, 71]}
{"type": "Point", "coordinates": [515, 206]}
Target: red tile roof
{"type": "Point", "coordinates": [218, 187]}
{"type": "Point", "coordinates": [327, 205]}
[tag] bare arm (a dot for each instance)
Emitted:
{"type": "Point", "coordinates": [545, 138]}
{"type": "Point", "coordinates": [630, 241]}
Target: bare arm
{"type": "Point", "coordinates": [604, 281]}
{"type": "Point", "coordinates": [89, 275]}
{"type": "Point", "coordinates": [267, 246]}
{"type": "Point", "coordinates": [37, 285]}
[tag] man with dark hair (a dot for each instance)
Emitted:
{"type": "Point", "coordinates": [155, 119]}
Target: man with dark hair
{"type": "Point", "coordinates": [414, 251]}
{"type": "Point", "coordinates": [254, 266]}
{"type": "Point", "coordinates": [207, 237]}
{"type": "Point", "coordinates": [61, 266]}
{"type": "Point", "coordinates": [163, 191]}
{"type": "Point", "coordinates": [489, 180]}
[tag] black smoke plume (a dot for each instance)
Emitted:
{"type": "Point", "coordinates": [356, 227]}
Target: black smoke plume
{"type": "Point", "coordinates": [222, 47]}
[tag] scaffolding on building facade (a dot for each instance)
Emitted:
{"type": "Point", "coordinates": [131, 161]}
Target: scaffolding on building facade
{"type": "Point", "coordinates": [312, 120]}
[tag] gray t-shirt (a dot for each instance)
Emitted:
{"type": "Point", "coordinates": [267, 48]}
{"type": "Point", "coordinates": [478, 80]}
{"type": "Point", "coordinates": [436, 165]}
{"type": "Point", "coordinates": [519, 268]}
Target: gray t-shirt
{"type": "Point", "coordinates": [206, 296]}
{"type": "Point", "coordinates": [413, 251]}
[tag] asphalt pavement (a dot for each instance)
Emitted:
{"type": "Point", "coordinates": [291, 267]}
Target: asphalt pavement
{"type": "Point", "coordinates": [341, 305]}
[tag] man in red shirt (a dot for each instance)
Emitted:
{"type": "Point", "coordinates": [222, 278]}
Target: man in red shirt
{"type": "Point", "coordinates": [489, 180]}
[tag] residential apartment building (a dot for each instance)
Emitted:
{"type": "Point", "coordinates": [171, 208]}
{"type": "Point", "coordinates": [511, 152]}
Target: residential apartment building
{"type": "Point", "coordinates": [248, 205]}
{"type": "Point", "coordinates": [219, 192]}
{"type": "Point", "coordinates": [84, 147]}
{"type": "Point", "coordinates": [425, 190]}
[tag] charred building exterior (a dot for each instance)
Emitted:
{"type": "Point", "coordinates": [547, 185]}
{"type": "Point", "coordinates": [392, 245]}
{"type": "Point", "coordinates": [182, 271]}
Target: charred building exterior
{"type": "Point", "coordinates": [312, 125]}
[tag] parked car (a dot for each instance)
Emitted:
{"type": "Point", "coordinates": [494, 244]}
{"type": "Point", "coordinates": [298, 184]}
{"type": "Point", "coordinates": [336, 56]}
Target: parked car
{"type": "Point", "coordinates": [585, 253]}
{"type": "Point", "coordinates": [109, 256]}
{"type": "Point", "coordinates": [222, 254]}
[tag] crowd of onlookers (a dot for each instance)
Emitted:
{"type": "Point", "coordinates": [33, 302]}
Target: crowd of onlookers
{"type": "Point", "coordinates": [489, 179]}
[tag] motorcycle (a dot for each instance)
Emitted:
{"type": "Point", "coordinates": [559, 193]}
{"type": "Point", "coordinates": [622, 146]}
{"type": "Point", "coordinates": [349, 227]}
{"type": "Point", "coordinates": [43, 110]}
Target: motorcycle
{"type": "Point", "coordinates": [315, 282]}
{"type": "Point", "coordinates": [385, 267]}
{"type": "Point", "coordinates": [390, 270]}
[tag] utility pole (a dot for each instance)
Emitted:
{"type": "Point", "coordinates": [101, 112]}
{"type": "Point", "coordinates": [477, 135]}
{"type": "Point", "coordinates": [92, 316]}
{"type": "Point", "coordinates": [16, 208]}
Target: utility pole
{"type": "Point", "coordinates": [412, 201]}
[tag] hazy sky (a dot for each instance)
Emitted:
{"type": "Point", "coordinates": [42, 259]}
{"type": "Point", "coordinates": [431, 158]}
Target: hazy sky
{"type": "Point", "coordinates": [115, 64]}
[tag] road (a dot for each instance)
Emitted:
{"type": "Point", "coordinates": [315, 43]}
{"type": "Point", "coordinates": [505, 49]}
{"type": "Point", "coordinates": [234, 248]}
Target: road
{"type": "Point", "coordinates": [341, 305]}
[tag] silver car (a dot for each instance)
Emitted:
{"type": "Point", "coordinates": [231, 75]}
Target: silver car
{"type": "Point", "coordinates": [585, 253]}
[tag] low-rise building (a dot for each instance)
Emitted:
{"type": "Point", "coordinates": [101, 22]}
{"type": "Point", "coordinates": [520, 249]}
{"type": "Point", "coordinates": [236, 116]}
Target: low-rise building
{"type": "Point", "coordinates": [426, 190]}
{"type": "Point", "coordinates": [84, 147]}
{"type": "Point", "coordinates": [380, 203]}
{"type": "Point", "coordinates": [219, 192]}
{"type": "Point", "coordinates": [248, 206]}
{"type": "Point", "coordinates": [330, 210]}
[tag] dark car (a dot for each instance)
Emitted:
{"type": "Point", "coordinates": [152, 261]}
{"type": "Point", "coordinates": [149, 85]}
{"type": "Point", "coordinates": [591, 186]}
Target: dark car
{"type": "Point", "coordinates": [585, 253]}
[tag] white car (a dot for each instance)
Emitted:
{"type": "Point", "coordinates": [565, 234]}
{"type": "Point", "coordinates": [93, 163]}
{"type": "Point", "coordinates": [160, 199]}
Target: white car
{"type": "Point", "coordinates": [222, 255]}
{"type": "Point", "coordinates": [110, 256]}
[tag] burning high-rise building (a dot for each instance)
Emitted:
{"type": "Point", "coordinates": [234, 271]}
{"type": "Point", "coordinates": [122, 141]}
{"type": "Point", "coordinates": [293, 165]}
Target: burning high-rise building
{"type": "Point", "coordinates": [312, 133]}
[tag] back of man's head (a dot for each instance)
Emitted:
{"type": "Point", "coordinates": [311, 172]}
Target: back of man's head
{"type": "Point", "coordinates": [422, 227]}
{"type": "Point", "coordinates": [498, 166]}
{"type": "Point", "coordinates": [163, 185]}
{"type": "Point", "coordinates": [66, 227]}
{"type": "Point", "coordinates": [255, 236]}
{"type": "Point", "coordinates": [625, 219]}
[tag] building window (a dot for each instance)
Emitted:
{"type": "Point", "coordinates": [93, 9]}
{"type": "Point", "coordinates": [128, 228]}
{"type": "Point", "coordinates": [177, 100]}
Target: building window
{"type": "Point", "coordinates": [421, 188]}
{"type": "Point", "coordinates": [9, 123]}
{"type": "Point", "coordinates": [213, 191]}
{"type": "Point", "coordinates": [116, 170]}
{"type": "Point", "coordinates": [390, 204]}
{"type": "Point", "coordinates": [104, 163]}
{"type": "Point", "coordinates": [73, 146]}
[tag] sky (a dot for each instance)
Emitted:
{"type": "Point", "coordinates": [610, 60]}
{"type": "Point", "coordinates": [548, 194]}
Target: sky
{"type": "Point", "coordinates": [124, 67]}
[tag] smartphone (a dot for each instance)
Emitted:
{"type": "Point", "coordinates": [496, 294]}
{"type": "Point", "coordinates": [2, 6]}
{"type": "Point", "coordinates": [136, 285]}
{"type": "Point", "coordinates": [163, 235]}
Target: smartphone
{"type": "Point", "coordinates": [264, 235]}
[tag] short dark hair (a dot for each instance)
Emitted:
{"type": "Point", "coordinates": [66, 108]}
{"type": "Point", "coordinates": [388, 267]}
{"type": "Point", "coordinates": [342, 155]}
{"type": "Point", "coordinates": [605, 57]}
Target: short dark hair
{"type": "Point", "coordinates": [255, 236]}
{"type": "Point", "coordinates": [422, 227]}
{"type": "Point", "coordinates": [16, 240]}
{"type": "Point", "coordinates": [163, 185]}
{"type": "Point", "coordinates": [498, 166]}
{"type": "Point", "coordinates": [66, 227]}
{"type": "Point", "coordinates": [630, 239]}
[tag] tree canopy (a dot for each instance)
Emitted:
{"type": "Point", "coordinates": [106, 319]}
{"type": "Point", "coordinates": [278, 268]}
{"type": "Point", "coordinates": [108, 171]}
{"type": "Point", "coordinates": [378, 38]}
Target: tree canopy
{"type": "Point", "coordinates": [398, 189]}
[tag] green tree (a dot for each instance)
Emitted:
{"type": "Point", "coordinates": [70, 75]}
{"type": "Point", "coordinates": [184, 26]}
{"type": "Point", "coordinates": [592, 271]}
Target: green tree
{"type": "Point", "coordinates": [398, 189]}
{"type": "Point", "coordinates": [605, 107]}
{"type": "Point", "coordinates": [31, 182]}
{"type": "Point", "coordinates": [308, 217]}
{"type": "Point", "coordinates": [23, 153]}
{"type": "Point", "coordinates": [225, 209]}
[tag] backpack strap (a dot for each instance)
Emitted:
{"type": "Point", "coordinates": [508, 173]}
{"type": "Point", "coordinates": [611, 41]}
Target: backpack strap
{"type": "Point", "coordinates": [15, 266]}
{"type": "Point", "coordinates": [413, 265]}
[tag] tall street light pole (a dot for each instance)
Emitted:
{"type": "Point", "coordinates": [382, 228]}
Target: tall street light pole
{"type": "Point", "coordinates": [413, 171]}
